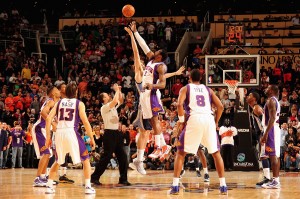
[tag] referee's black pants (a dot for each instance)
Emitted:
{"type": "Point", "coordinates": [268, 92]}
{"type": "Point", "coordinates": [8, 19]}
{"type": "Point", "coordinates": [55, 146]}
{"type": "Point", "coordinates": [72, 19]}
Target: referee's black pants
{"type": "Point", "coordinates": [112, 143]}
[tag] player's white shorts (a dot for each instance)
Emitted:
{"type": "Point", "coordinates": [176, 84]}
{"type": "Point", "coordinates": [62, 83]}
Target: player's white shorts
{"type": "Point", "coordinates": [199, 129]}
{"type": "Point", "coordinates": [68, 141]}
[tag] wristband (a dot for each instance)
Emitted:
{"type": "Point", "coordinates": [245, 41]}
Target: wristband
{"type": "Point", "coordinates": [181, 118]}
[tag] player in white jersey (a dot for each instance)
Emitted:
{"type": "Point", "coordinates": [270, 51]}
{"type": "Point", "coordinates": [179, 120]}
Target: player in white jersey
{"type": "Point", "coordinates": [39, 137]}
{"type": "Point", "coordinates": [196, 100]}
{"type": "Point", "coordinates": [270, 141]}
{"type": "Point", "coordinates": [153, 79]}
{"type": "Point", "coordinates": [143, 125]}
{"type": "Point", "coordinates": [69, 111]}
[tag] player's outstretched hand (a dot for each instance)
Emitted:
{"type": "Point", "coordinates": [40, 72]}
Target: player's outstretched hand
{"type": "Point", "coordinates": [180, 70]}
{"type": "Point", "coordinates": [128, 30]}
{"type": "Point", "coordinates": [132, 26]}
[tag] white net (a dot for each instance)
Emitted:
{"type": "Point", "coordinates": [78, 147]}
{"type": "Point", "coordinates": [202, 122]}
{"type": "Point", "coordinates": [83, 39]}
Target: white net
{"type": "Point", "coordinates": [232, 85]}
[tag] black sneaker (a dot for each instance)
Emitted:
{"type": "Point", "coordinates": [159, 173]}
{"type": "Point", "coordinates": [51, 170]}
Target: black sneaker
{"type": "Point", "coordinates": [182, 173]}
{"type": "Point", "coordinates": [96, 182]}
{"type": "Point", "coordinates": [198, 173]}
{"type": "Point", "coordinates": [206, 177]}
{"type": "Point", "coordinates": [65, 179]}
{"type": "Point", "coordinates": [264, 181]}
{"type": "Point", "coordinates": [124, 183]}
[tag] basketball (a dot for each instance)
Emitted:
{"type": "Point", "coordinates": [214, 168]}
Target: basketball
{"type": "Point", "coordinates": [128, 10]}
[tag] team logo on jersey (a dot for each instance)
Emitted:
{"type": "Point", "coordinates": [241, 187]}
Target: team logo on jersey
{"type": "Point", "coordinates": [85, 153]}
{"type": "Point", "coordinates": [178, 143]}
{"type": "Point", "coordinates": [156, 109]}
{"type": "Point", "coordinates": [269, 149]}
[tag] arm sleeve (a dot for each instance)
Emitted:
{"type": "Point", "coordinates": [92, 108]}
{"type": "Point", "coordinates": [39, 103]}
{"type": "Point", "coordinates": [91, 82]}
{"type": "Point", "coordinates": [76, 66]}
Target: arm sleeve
{"type": "Point", "coordinates": [142, 43]}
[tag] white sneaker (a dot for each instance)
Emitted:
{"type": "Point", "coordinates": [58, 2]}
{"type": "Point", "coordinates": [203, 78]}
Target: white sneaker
{"type": "Point", "coordinates": [132, 166]}
{"type": "Point", "coordinates": [50, 190]}
{"type": "Point", "coordinates": [139, 165]}
{"type": "Point", "coordinates": [89, 190]}
{"type": "Point", "coordinates": [155, 154]}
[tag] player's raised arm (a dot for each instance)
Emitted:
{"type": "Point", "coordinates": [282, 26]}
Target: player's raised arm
{"type": "Point", "coordinates": [218, 104]}
{"type": "Point", "coordinates": [138, 69]}
{"type": "Point", "coordinates": [86, 124]}
{"type": "Point", "coordinates": [49, 120]}
{"type": "Point", "coordinates": [141, 41]}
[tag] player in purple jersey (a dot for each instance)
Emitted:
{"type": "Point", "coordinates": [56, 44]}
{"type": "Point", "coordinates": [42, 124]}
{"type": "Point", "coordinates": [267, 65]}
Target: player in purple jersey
{"type": "Point", "coordinates": [196, 100]}
{"type": "Point", "coordinates": [143, 125]}
{"type": "Point", "coordinates": [153, 79]}
{"type": "Point", "coordinates": [39, 136]}
{"type": "Point", "coordinates": [69, 111]}
{"type": "Point", "coordinates": [270, 141]}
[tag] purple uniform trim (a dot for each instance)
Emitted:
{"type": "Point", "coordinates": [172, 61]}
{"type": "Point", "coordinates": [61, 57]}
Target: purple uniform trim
{"type": "Point", "coordinates": [82, 148]}
{"type": "Point", "coordinates": [156, 107]}
{"type": "Point", "coordinates": [209, 95]}
{"type": "Point", "coordinates": [41, 140]}
{"type": "Point", "coordinates": [270, 144]}
{"type": "Point", "coordinates": [187, 102]}
{"type": "Point", "coordinates": [180, 147]}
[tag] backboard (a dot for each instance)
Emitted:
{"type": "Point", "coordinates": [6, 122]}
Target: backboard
{"type": "Point", "coordinates": [243, 68]}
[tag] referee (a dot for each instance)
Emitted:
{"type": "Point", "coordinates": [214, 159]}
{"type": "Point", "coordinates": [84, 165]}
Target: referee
{"type": "Point", "coordinates": [112, 138]}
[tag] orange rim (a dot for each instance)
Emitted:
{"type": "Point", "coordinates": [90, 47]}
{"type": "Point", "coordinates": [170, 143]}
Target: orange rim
{"type": "Point", "coordinates": [231, 82]}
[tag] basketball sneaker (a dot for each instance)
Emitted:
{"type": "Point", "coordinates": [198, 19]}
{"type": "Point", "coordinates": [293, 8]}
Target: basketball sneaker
{"type": "Point", "coordinates": [264, 181]}
{"type": "Point", "coordinates": [271, 185]}
{"type": "Point", "coordinates": [46, 180]}
{"type": "Point", "coordinates": [65, 179]}
{"type": "Point", "coordinates": [50, 190]}
{"type": "Point", "coordinates": [165, 150]}
{"type": "Point", "coordinates": [39, 182]}
{"type": "Point", "coordinates": [198, 173]}
{"type": "Point", "coordinates": [174, 190]}
{"type": "Point", "coordinates": [182, 173]}
{"type": "Point", "coordinates": [89, 190]}
{"type": "Point", "coordinates": [223, 190]}
{"type": "Point", "coordinates": [139, 165]}
{"type": "Point", "coordinates": [155, 154]}
{"type": "Point", "coordinates": [206, 177]}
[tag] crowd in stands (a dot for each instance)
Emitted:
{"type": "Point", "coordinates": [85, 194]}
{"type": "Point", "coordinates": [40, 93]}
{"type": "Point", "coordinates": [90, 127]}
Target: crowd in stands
{"type": "Point", "coordinates": [103, 56]}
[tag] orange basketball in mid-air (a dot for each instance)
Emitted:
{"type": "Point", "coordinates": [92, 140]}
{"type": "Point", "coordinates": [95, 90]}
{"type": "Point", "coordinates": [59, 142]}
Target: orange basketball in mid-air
{"type": "Point", "coordinates": [128, 10]}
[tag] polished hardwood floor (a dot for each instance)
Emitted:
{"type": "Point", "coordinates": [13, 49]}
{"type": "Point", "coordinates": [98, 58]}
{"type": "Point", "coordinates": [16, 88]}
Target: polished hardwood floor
{"type": "Point", "coordinates": [17, 183]}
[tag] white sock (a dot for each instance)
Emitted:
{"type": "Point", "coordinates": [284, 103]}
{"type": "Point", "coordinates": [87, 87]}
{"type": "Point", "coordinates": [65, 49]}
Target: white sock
{"type": "Point", "coordinates": [47, 171]}
{"type": "Point", "coordinates": [162, 140]}
{"type": "Point", "coordinates": [43, 176]}
{"type": "Point", "coordinates": [267, 172]}
{"type": "Point", "coordinates": [157, 140]}
{"type": "Point", "coordinates": [205, 170]}
{"type": "Point", "coordinates": [276, 179]}
{"type": "Point", "coordinates": [197, 169]}
{"type": "Point", "coordinates": [222, 182]}
{"type": "Point", "coordinates": [64, 170]}
{"type": "Point", "coordinates": [140, 154]}
{"type": "Point", "coordinates": [88, 183]}
{"type": "Point", "coordinates": [175, 181]}
{"type": "Point", "coordinates": [50, 183]}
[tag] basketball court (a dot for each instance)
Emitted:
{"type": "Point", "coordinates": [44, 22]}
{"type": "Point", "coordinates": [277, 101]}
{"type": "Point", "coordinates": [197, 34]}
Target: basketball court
{"type": "Point", "coordinates": [17, 183]}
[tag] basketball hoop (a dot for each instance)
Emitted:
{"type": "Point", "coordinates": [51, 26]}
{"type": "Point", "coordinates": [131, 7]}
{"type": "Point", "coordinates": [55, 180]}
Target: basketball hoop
{"type": "Point", "coordinates": [232, 85]}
